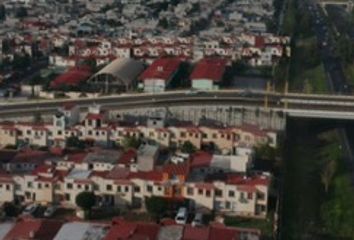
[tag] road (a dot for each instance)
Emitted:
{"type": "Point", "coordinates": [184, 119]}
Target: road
{"type": "Point", "coordinates": [333, 67]}
{"type": "Point", "coordinates": [241, 98]}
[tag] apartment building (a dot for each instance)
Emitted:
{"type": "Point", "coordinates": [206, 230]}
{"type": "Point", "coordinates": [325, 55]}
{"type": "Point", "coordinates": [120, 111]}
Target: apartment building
{"type": "Point", "coordinates": [97, 129]}
{"type": "Point", "coordinates": [211, 182]}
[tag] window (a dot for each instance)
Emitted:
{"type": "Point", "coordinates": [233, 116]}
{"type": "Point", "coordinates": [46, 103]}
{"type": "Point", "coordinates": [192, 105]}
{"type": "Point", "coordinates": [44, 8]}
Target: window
{"type": "Point", "coordinates": [79, 186]}
{"type": "Point", "coordinates": [231, 194]}
{"type": "Point", "coordinates": [60, 132]}
{"type": "Point", "coordinates": [214, 135]}
{"type": "Point", "coordinates": [227, 205]}
{"type": "Point", "coordinates": [109, 187]}
{"type": "Point", "coordinates": [207, 193]}
{"type": "Point", "coordinates": [28, 132]}
{"type": "Point", "coordinates": [190, 191]}
{"type": "Point", "coordinates": [183, 134]}
{"type": "Point", "coordinates": [69, 186]}
{"type": "Point", "coordinates": [159, 188]}
{"type": "Point", "coordinates": [249, 195]}
{"type": "Point", "coordinates": [0, 185]}
{"type": "Point", "coordinates": [137, 189]}
{"type": "Point", "coordinates": [260, 196]}
{"type": "Point", "coordinates": [149, 188]}
{"type": "Point", "coordinates": [67, 197]}
{"type": "Point", "coordinates": [200, 191]}
{"type": "Point", "coordinates": [39, 185]}
{"type": "Point", "coordinates": [218, 193]}
{"type": "Point", "coordinates": [126, 189]}
{"type": "Point", "coordinates": [46, 185]}
{"type": "Point", "coordinates": [119, 189]}
{"type": "Point", "coordinates": [87, 187]}
{"type": "Point", "coordinates": [29, 185]}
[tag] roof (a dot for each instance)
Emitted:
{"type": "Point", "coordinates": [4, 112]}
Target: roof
{"type": "Point", "coordinates": [82, 230]}
{"type": "Point", "coordinates": [163, 68]}
{"type": "Point", "coordinates": [171, 232]}
{"type": "Point", "coordinates": [195, 233]}
{"type": "Point", "coordinates": [72, 77]}
{"type": "Point", "coordinates": [124, 70]}
{"type": "Point", "coordinates": [201, 159]}
{"type": "Point", "coordinates": [156, 176]}
{"type": "Point", "coordinates": [176, 169]}
{"type": "Point", "coordinates": [43, 229]}
{"type": "Point", "coordinates": [122, 229]}
{"type": "Point", "coordinates": [127, 156]}
{"type": "Point", "coordinates": [209, 68]}
{"type": "Point", "coordinates": [256, 180]}
{"type": "Point", "coordinates": [5, 228]}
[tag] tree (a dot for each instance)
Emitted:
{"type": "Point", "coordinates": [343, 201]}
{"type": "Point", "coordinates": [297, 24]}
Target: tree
{"type": "Point", "coordinates": [163, 23]}
{"type": "Point", "coordinates": [21, 12]}
{"type": "Point", "coordinates": [188, 147]}
{"type": "Point", "coordinates": [75, 142]}
{"type": "Point", "coordinates": [131, 142]}
{"type": "Point", "coordinates": [307, 87]}
{"type": "Point", "coordinates": [2, 13]}
{"type": "Point", "coordinates": [37, 117]}
{"type": "Point", "coordinates": [10, 209]}
{"type": "Point", "coordinates": [327, 173]}
{"type": "Point", "coordinates": [156, 206]}
{"type": "Point", "coordinates": [85, 200]}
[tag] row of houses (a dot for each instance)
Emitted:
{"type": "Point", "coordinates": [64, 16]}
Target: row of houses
{"type": "Point", "coordinates": [101, 129]}
{"type": "Point", "coordinates": [47, 229]}
{"type": "Point", "coordinates": [125, 179]}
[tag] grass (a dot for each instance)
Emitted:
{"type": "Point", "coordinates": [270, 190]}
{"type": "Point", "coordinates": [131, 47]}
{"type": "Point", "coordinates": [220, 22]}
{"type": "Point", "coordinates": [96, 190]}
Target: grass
{"type": "Point", "coordinates": [265, 225]}
{"type": "Point", "coordinates": [308, 211]}
{"type": "Point", "coordinates": [306, 70]}
{"type": "Point", "coordinates": [349, 72]}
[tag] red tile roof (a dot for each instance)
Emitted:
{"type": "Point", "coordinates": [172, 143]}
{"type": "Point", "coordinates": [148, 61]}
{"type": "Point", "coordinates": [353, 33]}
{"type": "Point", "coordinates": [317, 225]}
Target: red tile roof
{"type": "Point", "coordinates": [176, 169]}
{"type": "Point", "coordinates": [127, 157]}
{"type": "Point", "coordinates": [73, 77]}
{"type": "Point", "coordinates": [125, 230]}
{"type": "Point", "coordinates": [156, 176]}
{"type": "Point", "coordinates": [42, 229]}
{"type": "Point", "coordinates": [162, 68]}
{"type": "Point", "coordinates": [94, 116]}
{"type": "Point", "coordinates": [195, 233]}
{"type": "Point", "coordinates": [248, 181]}
{"type": "Point", "coordinates": [209, 68]}
{"type": "Point", "coordinates": [201, 159]}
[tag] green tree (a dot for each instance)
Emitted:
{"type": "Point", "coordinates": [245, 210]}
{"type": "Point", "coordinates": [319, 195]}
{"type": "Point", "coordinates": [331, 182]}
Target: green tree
{"type": "Point", "coordinates": [37, 117]}
{"type": "Point", "coordinates": [188, 147]}
{"type": "Point", "coordinates": [163, 23]}
{"type": "Point", "coordinates": [345, 49]}
{"type": "Point", "coordinates": [10, 209]}
{"type": "Point", "coordinates": [21, 12]}
{"type": "Point", "coordinates": [75, 142]}
{"type": "Point", "coordinates": [2, 13]}
{"type": "Point", "coordinates": [85, 200]}
{"type": "Point", "coordinates": [327, 173]}
{"type": "Point", "coordinates": [131, 142]}
{"type": "Point", "coordinates": [156, 206]}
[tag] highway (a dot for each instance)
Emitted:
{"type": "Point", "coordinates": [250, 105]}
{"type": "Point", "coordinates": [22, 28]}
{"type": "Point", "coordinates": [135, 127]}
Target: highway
{"type": "Point", "coordinates": [240, 98]}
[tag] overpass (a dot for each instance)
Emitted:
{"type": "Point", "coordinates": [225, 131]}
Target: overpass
{"type": "Point", "coordinates": [348, 4]}
{"type": "Point", "coordinates": [287, 104]}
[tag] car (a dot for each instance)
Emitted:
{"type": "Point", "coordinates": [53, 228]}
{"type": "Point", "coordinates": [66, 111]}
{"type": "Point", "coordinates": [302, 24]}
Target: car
{"type": "Point", "coordinates": [181, 216]}
{"type": "Point", "coordinates": [198, 220]}
{"type": "Point", "coordinates": [50, 211]}
{"type": "Point", "coordinates": [30, 209]}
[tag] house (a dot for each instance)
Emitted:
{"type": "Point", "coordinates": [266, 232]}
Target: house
{"type": "Point", "coordinates": [208, 74]}
{"type": "Point", "coordinates": [28, 228]}
{"type": "Point", "coordinates": [158, 76]}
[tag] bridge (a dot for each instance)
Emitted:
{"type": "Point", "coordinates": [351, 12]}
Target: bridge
{"type": "Point", "coordinates": [348, 4]}
{"type": "Point", "coordinates": [285, 104]}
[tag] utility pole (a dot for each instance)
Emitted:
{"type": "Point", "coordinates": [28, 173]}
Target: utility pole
{"type": "Point", "coordinates": [286, 90]}
{"type": "Point", "coordinates": [266, 95]}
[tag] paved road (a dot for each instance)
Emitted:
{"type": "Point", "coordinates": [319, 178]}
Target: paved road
{"type": "Point", "coordinates": [336, 77]}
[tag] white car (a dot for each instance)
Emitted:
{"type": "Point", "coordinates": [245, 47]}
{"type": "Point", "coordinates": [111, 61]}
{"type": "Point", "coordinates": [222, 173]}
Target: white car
{"type": "Point", "coordinates": [30, 209]}
{"type": "Point", "coordinates": [50, 211]}
{"type": "Point", "coordinates": [182, 215]}
{"type": "Point", "coordinates": [198, 220]}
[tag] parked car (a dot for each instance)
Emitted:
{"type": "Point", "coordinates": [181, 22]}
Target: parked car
{"type": "Point", "coordinates": [50, 211]}
{"type": "Point", "coordinates": [30, 209]}
{"type": "Point", "coordinates": [181, 216]}
{"type": "Point", "coordinates": [198, 220]}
